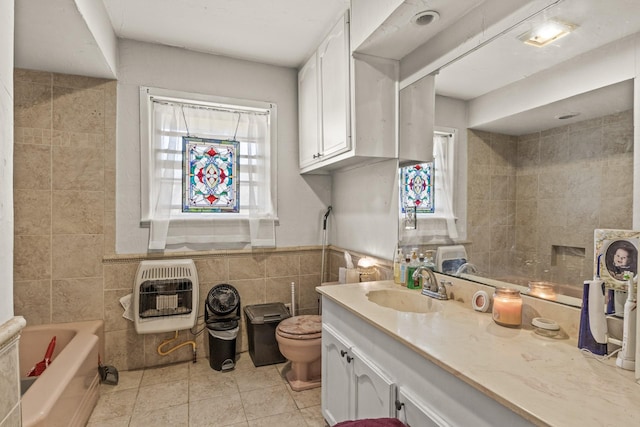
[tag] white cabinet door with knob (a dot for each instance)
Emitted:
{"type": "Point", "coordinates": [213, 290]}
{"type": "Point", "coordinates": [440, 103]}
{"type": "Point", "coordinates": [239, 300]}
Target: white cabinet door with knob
{"type": "Point", "coordinates": [412, 411]}
{"type": "Point", "coordinates": [337, 373]}
{"type": "Point", "coordinates": [308, 102]}
{"type": "Point", "coordinates": [333, 71]}
{"type": "Point", "coordinates": [352, 386]}
{"type": "Point", "coordinates": [374, 392]}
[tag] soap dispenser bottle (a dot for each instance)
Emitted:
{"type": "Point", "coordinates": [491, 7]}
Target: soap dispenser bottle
{"type": "Point", "coordinates": [404, 270]}
{"type": "Point", "coordinates": [397, 263]}
{"type": "Point", "coordinates": [411, 268]}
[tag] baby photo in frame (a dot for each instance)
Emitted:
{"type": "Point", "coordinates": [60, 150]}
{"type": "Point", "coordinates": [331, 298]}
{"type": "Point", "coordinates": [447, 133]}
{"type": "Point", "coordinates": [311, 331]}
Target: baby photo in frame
{"type": "Point", "coordinates": [619, 255]}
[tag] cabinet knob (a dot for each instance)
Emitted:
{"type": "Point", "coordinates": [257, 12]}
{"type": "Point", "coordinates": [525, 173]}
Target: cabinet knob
{"type": "Point", "coordinates": [343, 353]}
{"type": "Point", "coordinates": [317, 155]}
{"type": "Point", "coordinates": [399, 405]}
{"type": "Point", "coordinates": [349, 359]}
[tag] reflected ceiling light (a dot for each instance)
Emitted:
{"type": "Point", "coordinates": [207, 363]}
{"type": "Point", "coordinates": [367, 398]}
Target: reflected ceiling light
{"type": "Point", "coordinates": [546, 33]}
{"type": "Point", "coordinates": [425, 17]}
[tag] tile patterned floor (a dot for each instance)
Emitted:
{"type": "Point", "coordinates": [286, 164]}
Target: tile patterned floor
{"type": "Point", "coordinates": [194, 395]}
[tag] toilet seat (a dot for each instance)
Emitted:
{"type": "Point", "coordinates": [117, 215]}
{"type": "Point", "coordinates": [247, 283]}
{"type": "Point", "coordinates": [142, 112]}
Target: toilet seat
{"type": "Point", "coordinates": [306, 327]}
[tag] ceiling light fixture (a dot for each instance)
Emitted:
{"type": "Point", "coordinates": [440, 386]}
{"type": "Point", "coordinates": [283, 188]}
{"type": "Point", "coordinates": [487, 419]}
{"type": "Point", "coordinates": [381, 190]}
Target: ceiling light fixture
{"type": "Point", "coordinates": [546, 33]}
{"type": "Point", "coordinates": [425, 17]}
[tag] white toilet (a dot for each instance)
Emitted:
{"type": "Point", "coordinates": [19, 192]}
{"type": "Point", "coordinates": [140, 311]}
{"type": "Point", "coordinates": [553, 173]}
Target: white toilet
{"type": "Point", "coordinates": [299, 339]}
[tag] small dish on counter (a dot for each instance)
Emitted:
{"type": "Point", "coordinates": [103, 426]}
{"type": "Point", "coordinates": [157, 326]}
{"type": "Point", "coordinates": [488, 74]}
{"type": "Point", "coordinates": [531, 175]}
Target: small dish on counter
{"type": "Point", "coordinates": [545, 327]}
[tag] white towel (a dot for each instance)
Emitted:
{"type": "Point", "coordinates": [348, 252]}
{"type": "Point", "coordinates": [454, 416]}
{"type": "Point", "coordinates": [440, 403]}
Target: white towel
{"type": "Point", "coordinates": [125, 301]}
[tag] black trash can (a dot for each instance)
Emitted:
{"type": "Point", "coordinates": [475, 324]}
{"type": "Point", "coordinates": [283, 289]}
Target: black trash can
{"type": "Point", "coordinates": [222, 345]}
{"type": "Point", "coordinates": [222, 316]}
{"type": "Point", "coordinates": [262, 321]}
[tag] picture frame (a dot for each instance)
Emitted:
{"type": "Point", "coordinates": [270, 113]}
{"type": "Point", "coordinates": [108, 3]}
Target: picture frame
{"type": "Point", "coordinates": [618, 251]}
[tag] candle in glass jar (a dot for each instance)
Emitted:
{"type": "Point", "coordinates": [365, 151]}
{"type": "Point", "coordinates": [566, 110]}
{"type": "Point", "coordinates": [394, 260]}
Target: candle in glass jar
{"type": "Point", "coordinates": [507, 307]}
{"type": "Point", "coordinates": [542, 290]}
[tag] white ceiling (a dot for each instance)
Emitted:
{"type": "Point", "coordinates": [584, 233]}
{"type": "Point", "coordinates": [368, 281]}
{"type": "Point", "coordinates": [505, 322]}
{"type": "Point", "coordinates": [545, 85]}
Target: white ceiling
{"type": "Point", "coordinates": [507, 59]}
{"type": "Point", "coordinates": [53, 36]}
{"type": "Point", "coordinates": [278, 32]}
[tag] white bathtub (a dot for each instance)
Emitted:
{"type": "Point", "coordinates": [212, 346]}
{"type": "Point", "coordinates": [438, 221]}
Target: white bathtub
{"type": "Point", "coordinates": [68, 390]}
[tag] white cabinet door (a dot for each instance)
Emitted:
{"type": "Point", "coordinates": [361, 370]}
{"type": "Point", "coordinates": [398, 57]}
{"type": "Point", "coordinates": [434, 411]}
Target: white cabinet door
{"type": "Point", "coordinates": [337, 376]}
{"type": "Point", "coordinates": [415, 135]}
{"type": "Point", "coordinates": [374, 392]}
{"type": "Point", "coordinates": [414, 411]}
{"type": "Point", "coordinates": [309, 129]}
{"type": "Point", "coordinates": [333, 66]}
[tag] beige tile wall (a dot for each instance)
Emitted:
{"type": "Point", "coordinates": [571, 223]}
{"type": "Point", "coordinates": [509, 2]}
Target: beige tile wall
{"type": "Point", "coordinates": [65, 264]}
{"type": "Point", "coordinates": [491, 204]}
{"type": "Point", "coordinates": [557, 187]}
{"type": "Point", "coordinates": [9, 385]}
{"type": "Point", "coordinates": [10, 415]}
{"type": "Point", "coordinates": [260, 277]}
{"type": "Point", "coordinates": [63, 182]}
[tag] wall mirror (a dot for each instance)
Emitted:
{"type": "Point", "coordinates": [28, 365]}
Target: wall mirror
{"type": "Point", "coordinates": [550, 144]}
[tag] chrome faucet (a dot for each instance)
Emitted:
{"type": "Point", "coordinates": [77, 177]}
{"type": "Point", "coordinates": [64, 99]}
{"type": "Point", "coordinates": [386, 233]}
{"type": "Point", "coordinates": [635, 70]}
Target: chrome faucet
{"type": "Point", "coordinates": [467, 267]}
{"type": "Point", "coordinates": [430, 285]}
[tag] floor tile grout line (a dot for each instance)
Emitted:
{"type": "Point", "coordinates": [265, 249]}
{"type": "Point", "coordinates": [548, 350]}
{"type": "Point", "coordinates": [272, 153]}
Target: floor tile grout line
{"type": "Point", "coordinates": [249, 368]}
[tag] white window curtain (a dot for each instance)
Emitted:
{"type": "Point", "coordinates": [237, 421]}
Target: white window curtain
{"type": "Point", "coordinates": [444, 176]}
{"type": "Point", "coordinates": [255, 224]}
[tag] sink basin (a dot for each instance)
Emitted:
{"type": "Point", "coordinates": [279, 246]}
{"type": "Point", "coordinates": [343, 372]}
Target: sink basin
{"type": "Point", "coordinates": [401, 300]}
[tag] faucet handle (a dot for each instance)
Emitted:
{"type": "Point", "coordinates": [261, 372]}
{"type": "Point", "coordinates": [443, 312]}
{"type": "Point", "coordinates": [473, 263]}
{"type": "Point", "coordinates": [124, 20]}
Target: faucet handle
{"type": "Point", "coordinates": [442, 290]}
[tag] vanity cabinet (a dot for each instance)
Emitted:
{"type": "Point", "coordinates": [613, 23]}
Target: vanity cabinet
{"type": "Point", "coordinates": [353, 387]}
{"type": "Point", "coordinates": [346, 106]}
{"type": "Point", "coordinates": [385, 371]}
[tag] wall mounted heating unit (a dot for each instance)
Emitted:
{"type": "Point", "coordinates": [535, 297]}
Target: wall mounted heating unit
{"type": "Point", "coordinates": [165, 296]}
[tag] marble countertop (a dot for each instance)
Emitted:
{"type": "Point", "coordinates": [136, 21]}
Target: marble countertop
{"type": "Point", "coordinates": [549, 381]}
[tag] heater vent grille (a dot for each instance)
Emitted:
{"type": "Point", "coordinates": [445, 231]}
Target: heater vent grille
{"type": "Point", "coordinates": [159, 272]}
{"type": "Point", "coordinates": [165, 296]}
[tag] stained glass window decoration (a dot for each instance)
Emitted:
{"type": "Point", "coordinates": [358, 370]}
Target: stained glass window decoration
{"type": "Point", "coordinates": [416, 188]}
{"type": "Point", "coordinates": [210, 181]}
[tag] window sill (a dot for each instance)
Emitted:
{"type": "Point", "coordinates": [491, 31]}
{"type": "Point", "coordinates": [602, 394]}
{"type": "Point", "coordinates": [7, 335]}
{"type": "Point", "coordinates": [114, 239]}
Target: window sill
{"type": "Point", "coordinates": [146, 223]}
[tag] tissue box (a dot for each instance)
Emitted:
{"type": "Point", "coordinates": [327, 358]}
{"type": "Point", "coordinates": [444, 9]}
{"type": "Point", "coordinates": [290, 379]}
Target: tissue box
{"type": "Point", "coordinates": [348, 275]}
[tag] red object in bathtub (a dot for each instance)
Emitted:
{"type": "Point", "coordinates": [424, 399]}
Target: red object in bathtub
{"type": "Point", "coordinates": [43, 364]}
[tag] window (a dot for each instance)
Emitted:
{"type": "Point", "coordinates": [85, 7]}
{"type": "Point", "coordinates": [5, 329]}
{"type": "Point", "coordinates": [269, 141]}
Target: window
{"type": "Point", "coordinates": [416, 188]}
{"type": "Point", "coordinates": [426, 193]}
{"type": "Point", "coordinates": [210, 175]}
{"type": "Point", "coordinates": [207, 169]}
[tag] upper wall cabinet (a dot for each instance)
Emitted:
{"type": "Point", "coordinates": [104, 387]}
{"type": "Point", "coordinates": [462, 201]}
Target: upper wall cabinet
{"type": "Point", "coordinates": [347, 106]}
{"type": "Point", "coordinates": [323, 99]}
{"type": "Point", "coordinates": [309, 113]}
{"type": "Point", "coordinates": [417, 107]}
